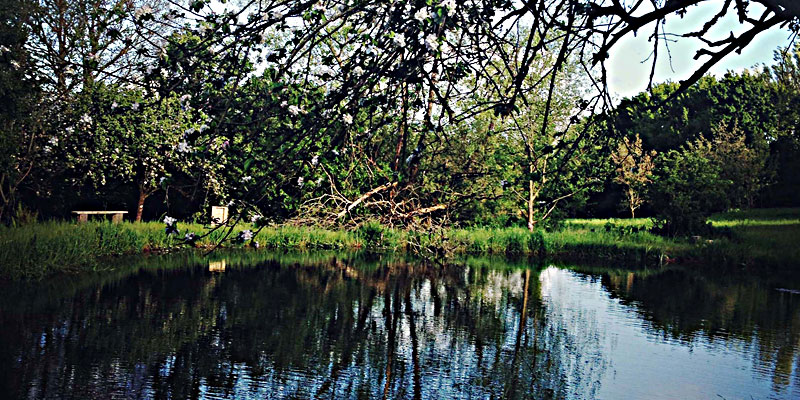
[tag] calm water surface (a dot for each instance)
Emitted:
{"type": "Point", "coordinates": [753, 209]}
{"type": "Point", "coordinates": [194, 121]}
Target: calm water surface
{"type": "Point", "coordinates": [262, 325]}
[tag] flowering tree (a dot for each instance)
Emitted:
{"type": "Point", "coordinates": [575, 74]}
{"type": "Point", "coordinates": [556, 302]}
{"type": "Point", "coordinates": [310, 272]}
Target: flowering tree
{"type": "Point", "coordinates": [122, 134]}
{"type": "Point", "coordinates": [423, 58]}
{"type": "Point", "coordinates": [283, 82]}
{"type": "Point", "coordinates": [634, 168]}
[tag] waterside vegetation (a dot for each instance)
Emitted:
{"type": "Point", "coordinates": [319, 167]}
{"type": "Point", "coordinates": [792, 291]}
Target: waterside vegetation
{"type": "Point", "coordinates": [758, 239]}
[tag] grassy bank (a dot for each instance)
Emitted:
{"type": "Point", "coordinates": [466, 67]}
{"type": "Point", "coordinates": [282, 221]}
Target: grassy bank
{"type": "Point", "coordinates": [758, 238]}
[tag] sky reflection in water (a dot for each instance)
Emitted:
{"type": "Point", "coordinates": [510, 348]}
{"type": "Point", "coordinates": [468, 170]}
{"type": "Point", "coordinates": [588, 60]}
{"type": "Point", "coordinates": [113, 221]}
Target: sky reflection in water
{"type": "Point", "coordinates": [327, 326]}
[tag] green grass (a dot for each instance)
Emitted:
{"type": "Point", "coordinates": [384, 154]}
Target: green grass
{"type": "Point", "coordinates": [763, 236]}
{"type": "Point", "coordinates": [756, 239]}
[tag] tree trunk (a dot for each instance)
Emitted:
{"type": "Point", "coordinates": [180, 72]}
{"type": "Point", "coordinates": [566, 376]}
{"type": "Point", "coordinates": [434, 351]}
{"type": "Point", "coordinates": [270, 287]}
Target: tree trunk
{"type": "Point", "coordinates": [401, 142]}
{"type": "Point", "coordinates": [140, 204]}
{"type": "Point", "coordinates": [532, 195]}
{"type": "Point", "coordinates": [531, 205]}
{"type": "Point", "coordinates": [632, 201]}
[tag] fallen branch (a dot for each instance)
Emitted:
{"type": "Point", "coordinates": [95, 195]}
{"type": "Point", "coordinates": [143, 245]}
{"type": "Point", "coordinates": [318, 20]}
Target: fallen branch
{"type": "Point", "coordinates": [364, 197]}
{"type": "Point", "coordinates": [423, 211]}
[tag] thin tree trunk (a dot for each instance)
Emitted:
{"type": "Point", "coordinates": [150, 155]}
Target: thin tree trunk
{"type": "Point", "coordinates": [401, 142]}
{"type": "Point", "coordinates": [531, 202]}
{"type": "Point", "coordinates": [140, 203]}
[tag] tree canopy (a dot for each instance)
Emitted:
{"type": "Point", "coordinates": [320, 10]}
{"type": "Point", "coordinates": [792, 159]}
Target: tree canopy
{"type": "Point", "coordinates": [334, 111]}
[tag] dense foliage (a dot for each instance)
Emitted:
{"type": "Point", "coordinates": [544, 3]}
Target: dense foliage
{"type": "Point", "coordinates": [415, 114]}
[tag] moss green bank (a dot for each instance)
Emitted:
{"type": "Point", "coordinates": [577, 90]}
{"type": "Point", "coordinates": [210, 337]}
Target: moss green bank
{"type": "Point", "coordinates": [760, 239]}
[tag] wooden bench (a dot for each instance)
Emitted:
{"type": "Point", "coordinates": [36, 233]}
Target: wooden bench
{"type": "Point", "coordinates": [116, 216]}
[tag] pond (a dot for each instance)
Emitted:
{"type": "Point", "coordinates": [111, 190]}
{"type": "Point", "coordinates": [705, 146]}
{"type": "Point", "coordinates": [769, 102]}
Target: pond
{"type": "Point", "coordinates": [266, 325]}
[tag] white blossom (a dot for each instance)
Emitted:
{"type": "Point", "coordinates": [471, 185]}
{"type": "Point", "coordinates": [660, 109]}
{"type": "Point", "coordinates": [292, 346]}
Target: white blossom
{"type": "Point", "coordinates": [422, 14]}
{"type": "Point", "coordinates": [143, 11]}
{"type": "Point", "coordinates": [315, 160]}
{"type": "Point", "coordinates": [247, 178]}
{"type": "Point", "coordinates": [246, 235]}
{"type": "Point", "coordinates": [53, 141]}
{"type": "Point", "coordinates": [430, 41]}
{"type": "Point", "coordinates": [169, 220]}
{"type": "Point", "coordinates": [183, 147]}
{"type": "Point", "coordinates": [202, 128]}
{"type": "Point", "coordinates": [114, 105]}
{"type": "Point", "coordinates": [255, 218]}
{"type": "Point", "coordinates": [450, 5]}
{"type": "Point", "coordinates": [86, 119]}
{"type": "Point", "coordinates": [300, 181]}
{"type": "Point", "coordinates": [135, 106]}
{"type": "Point", "coordinates": [318, 7]}
{"type": "Point", "coordinates": [276, 14]}
{"type": "Point", "coordinates": [185, 98]}
{"type": "Point", "coordinates": [295, 110]}
{"type": "Point", "coordinates": [399, 39]}
{"type": "Point", "coordinates": [347, 118]}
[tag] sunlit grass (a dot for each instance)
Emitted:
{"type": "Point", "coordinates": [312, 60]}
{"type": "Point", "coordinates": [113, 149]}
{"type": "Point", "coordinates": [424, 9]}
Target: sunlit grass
{"type": "Point", "coordinates": [756, 238]}
{"type": "Point", "coordinates": [601, 222]}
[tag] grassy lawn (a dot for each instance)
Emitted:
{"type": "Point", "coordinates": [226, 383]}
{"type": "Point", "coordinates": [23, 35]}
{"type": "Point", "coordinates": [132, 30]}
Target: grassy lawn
{"type": "Point", "coordinates": [764, 238]}
{"type": "Point", "coordinates": [769, 235]}
{"type": "Point", "coordinates": [759, 237]}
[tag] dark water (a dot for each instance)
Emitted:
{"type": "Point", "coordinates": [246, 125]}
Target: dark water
{"type": "Point", "coordinates": [324, 326]}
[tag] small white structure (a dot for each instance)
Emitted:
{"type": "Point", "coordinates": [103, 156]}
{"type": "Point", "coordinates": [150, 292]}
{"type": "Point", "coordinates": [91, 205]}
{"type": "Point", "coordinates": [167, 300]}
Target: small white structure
{"type": "Point", "coordinates": [216, 266]}
{"type": "Point", "coordinates": [219, 215]}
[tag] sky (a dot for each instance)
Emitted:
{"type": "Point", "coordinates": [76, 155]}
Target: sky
{"type": "Point", "coordinates": [628, 75]}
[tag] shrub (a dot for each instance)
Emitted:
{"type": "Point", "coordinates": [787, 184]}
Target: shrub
{"type": "Point", "coordinates": [686, 190]}
{"type": "Point", "coordinates": [372, 233]}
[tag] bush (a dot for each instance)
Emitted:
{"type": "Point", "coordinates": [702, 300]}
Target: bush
{"type": "Point", "coordinates": [536, 243]}
{"type": "Point", "coordinates": [686, 190]}
{"type": "Point", "coordinates": [372, 233]}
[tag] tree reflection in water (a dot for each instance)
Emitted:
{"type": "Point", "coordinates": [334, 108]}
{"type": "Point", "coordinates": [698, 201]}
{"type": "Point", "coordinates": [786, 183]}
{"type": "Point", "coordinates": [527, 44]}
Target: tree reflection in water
{"type": "Point", "coordinates": [688, 306]}
{"type": "Point", "coordinates": [335, 328]}
{"type": "Point", "coordinates": [326, 326]}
